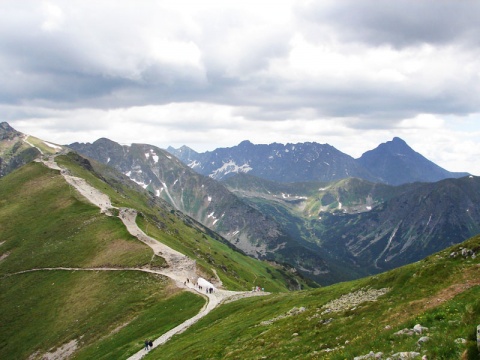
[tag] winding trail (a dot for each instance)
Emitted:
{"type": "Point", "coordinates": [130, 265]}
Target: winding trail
{"type": "Point", "coordinates": [180, 267]}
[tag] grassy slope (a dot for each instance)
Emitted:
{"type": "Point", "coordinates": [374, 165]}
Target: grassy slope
{"type": "Point", "coordinates": [237, 272]}
{"type": "Point", "coordinates": [46, 224]}
{"type": "Point", "coordinates": [43, 310]}
{"type": "Point", "coordinates": [42, 145]}
{"type": "Point", "coordinates": [440, 292]}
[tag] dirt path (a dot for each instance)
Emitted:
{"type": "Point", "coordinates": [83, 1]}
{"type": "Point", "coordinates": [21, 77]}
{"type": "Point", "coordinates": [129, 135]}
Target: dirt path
{"type": "Point", "coordinates": [180, 267]}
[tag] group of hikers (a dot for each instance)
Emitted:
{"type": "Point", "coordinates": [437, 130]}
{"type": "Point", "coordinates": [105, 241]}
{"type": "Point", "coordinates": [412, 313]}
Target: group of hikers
{"type": "Point", "coordinates": [208, 289]}
{"type": "Point", "coordinates": [148, 343]}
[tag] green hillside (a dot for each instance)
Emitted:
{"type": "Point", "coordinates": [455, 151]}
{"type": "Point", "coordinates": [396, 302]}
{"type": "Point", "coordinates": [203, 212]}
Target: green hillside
{"type": "Point", "coordinates": [46, 225]}
{"type": "Point", "coordinates": [69, 277]}
{"type": "Point", "coordinates": [182, 233]}
{"type": "Point", "coordinates": [342, 321]}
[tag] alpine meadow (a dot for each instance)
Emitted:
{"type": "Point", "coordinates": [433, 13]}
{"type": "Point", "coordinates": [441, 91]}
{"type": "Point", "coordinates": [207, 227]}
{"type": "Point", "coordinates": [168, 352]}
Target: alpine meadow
{"type": "Point", "coordinates": [94, 260]}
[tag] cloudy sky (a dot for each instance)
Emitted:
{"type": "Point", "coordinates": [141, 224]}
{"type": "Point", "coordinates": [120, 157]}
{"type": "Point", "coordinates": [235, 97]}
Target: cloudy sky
{"type": "Point", "coordinates": [208, 74]}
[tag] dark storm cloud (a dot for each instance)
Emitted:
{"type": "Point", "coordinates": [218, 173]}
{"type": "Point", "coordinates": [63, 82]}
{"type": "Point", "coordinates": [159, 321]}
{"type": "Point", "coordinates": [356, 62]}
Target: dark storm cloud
{"type": "Point", "coordinates": [66, 62]}
{"type": "Point", "coordinates": [399, 23]}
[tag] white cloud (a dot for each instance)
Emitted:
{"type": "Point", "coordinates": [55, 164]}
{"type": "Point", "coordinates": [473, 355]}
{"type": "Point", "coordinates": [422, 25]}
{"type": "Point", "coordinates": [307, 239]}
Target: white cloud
{"type": "Point", "coordinates": [351, 73]}
{"type": "Point", "coordinates": [54, 18]}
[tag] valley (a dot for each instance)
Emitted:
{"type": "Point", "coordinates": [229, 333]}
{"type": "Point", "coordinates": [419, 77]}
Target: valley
{"type": "Point", "coordinates": [338, 229]}
{"type": "Point", "coordinates": [92, 263]}
{"type": "Point", "coordinates": [106, 256]}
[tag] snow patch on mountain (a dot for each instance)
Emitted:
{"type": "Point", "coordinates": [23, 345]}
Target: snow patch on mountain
{"type": "Point", "coordinates": [212, 215]}
{"type": "Point", "coordinates": [194, 164]}
{"type": "Point", "coordinates": [52, 145]}
{"type": "Point", "coordinates": [152, 154]}
{"type": "Point", "coordinates": [230, 167]}
{"type": "Point", "coordinates": [141, 183]}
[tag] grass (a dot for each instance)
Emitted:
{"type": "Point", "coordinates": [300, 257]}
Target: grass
{"type": "Point", "coordinates": [46, 149]}
{"type": "Point", "coordinates": [43, 310]}
{"type": "Point", "coordinates": [237, 271]}
{"type": "Point", "coordinates": [440, 293]}
{"type": "Point", "coordinates": [46, 224]}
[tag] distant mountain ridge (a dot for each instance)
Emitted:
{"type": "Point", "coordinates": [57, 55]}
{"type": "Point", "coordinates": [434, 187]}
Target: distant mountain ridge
{"type": "Point", "coordinates": [324, 229]}
{"type": "Point", "coordinates": [392, 163]}
{"type": "Point", "coordinates": [268, 222]}
{"type": "Point", "coordinates": [206, 201]}
{"type": "Point", "coordinates": [275, 162]}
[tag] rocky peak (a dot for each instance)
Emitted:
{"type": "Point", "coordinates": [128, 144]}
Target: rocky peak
{"type": "Point", "coordinates": [7, 132]}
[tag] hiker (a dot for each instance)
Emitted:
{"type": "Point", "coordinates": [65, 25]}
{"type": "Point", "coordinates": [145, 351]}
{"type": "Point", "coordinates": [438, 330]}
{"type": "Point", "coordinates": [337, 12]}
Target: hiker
{"type": "Point", "coordinates": [146, 345]}
{"type": "Point", "coordinates": [150, 343]}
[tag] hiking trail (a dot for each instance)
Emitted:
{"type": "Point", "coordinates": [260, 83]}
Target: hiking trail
{"type": "Point", "coordinates": [180, 267]}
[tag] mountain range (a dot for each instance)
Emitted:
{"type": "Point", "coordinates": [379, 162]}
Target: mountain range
{"type": "Point", "coordinates": [393, 163]}
{"type": "Point", "coordinates": [330, 231]}
{"type": "Point", "coordinates": [80, 278]}
{"type": "Point", "coordinates": [207, 201]}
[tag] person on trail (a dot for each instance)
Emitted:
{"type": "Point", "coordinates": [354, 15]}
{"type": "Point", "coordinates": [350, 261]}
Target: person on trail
{"type": "Point", "coordinates": [150, 343]}
{"type": "Point", "coordinates": [146, 345]}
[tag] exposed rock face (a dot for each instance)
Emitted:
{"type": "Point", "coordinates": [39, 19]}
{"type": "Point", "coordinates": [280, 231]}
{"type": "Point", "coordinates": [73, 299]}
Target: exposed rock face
{"type": "Point", "coordinates": [293, 312]}
{"type": "Point", "coordinates": [370, 355]}
{"type": "Point", "coordinates": [351, 300]}
{"type": "Point", "coordinates": [408, 227]}
{"type": "Point", "coordinates": [14, 152]}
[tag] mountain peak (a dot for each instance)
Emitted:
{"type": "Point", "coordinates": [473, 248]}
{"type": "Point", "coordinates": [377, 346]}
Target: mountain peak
{"type": "Point", "coordinates": [398, 144]}
{"type": "Point", "coordinates": [397, 140]}
{"type": "Point", "coordinates": [395, 162]}
{"type": "Point", "coordinates": [245, 143]}
{"type": "Point", "coordinates": [7, 132]}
